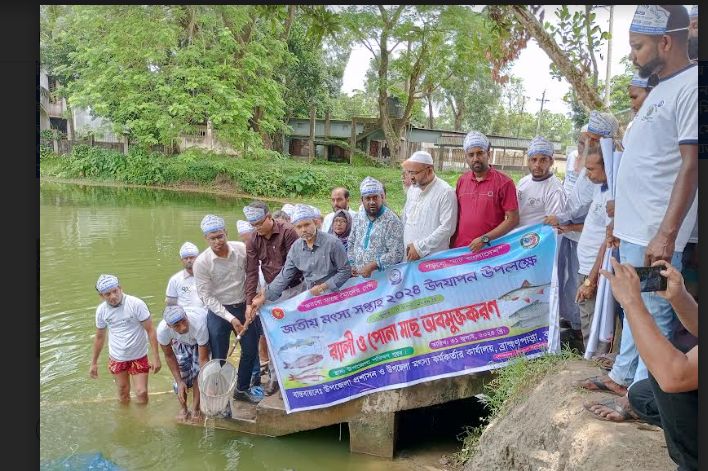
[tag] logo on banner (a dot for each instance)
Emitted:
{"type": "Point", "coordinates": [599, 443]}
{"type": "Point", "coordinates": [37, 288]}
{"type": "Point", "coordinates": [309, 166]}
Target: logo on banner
{"type": "Point", "coordinates": [530, 240]}
{"type": "Point", "coordinates": [395, 276]}
{"type": "Point", "coordinates": [278, 313]}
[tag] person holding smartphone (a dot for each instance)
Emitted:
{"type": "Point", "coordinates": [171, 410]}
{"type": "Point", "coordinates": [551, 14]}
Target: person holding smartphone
{"type": "Point", "coordinates": [668, 397]}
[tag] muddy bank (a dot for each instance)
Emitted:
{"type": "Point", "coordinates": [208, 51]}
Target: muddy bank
{"type": "Point", "coordinates": [548, 429]}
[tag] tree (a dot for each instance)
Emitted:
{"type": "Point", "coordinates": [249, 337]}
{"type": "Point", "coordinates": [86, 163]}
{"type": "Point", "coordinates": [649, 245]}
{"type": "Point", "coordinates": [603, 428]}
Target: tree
{"type": "Point", "coordinates": [157, 71]}
{"type": "Point", "coordinates": [575, 34]}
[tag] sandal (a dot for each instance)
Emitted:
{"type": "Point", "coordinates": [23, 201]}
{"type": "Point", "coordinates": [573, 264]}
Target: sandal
{"type": "Point", "coordinates": [626, 414]}
{"type": "Point", "coordinates": [605, 361]}
{"type": "Point", "coordinates": [596, 383]}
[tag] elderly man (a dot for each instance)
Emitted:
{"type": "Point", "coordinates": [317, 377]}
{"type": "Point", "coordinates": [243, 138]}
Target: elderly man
{"type": "Point", "coordinates": [266, 252]}
{"type": "Point", "coordinates": [181, 289]}
{"type": "Point", "coordinates": [130, 329]}
{"type": "Point", "coordinates": [376, 239]}
{"type": "Point", "coordinates": [540, 193]}
{"type": "Point", "coordinates": [184, 340]}
{"type": "Point", "coordinates": [430, 214]}
{"type": "Point", "coordinates": [486, 198]}
{"type": "Point", "coordinates": [220, 273]}
{"type": "Point", "coordinates": [655, 201]}
{"type": "Point", "coordinates": [340, 201]}
{"type": "Point", "coordinates": [316, 256]}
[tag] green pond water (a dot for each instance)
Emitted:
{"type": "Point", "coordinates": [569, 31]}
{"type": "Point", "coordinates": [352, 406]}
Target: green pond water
{"type": "Point", "coordinates": [136, 233]}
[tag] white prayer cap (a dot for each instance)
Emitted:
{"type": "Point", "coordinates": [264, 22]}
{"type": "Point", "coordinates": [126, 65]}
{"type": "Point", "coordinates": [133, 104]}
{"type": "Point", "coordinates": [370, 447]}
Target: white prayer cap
{"type": "Point", "coordinates": [475, 139]}
{"type": "Point", "coordinates": [253, 214]}
{"type": "Point", "coordinates": [212, 223]}
{"type": "Point", "coordinates": [173, 314]}
{"type": "Point", "coordinates": [421, 157]}
{"type": "Point", "coordinates": [638, 81]}
{"type": "Point", "coordinates": [602, 123]}
{"type": "Point", "coordinates": [288, 209]}
{"type": "Point", "coordinates": [316, 211]}
{"type": "Point", "coordinates": [694, 12]}
{"type": "Point", "coordinates": [188, 249]}
{"type": "Point", "coordinates": [243, 227]}
{"type": "Point", "coordinates": [106, 283]}
{"type": "Point", "coordinates": [370, 186]}
{"type": "Point", "coordinates": [301, 212]}
{"type": "Point", "coordinates": [540, 145]}
{"type": "Point", "coordinates": [650, 20]}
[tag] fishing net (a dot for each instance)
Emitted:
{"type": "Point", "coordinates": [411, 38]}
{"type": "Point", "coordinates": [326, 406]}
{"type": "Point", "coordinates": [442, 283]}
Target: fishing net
{"type": "Point", "coordinates": [217, 380]}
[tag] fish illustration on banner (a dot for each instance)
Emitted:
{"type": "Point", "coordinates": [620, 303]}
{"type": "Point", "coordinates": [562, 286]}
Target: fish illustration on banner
{"type": "Point", "coordinates": [453, 313]}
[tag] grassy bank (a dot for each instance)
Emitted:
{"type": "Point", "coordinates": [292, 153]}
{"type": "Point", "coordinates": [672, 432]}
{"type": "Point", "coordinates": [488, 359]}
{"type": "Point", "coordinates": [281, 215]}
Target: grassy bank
{"type": "Point", "coordinates": [507, 388]}
{"type": "Point", "coordinates": [274, 177]}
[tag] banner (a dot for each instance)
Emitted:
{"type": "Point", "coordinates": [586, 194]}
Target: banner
{"type": "Point", "coordinates": [453, 313]}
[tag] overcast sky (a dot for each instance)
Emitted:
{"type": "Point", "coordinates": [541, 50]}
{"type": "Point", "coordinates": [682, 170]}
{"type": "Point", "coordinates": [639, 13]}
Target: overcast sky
{"type": "Point", "coordinates": [532, 66]}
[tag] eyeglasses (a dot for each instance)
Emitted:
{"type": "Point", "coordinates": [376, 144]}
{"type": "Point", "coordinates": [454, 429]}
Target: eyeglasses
{"type": "Point", "coordinates": [411, 172]}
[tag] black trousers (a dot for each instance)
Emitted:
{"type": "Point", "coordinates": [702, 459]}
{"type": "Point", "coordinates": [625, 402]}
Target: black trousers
{"type": "Point", "coordinates": [220, 333]}
{"type": "Point", "coordinates": [676, 413]}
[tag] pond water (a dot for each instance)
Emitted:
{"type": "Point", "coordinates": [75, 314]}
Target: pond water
{"type": "Point", "coordinates": [136, 233]}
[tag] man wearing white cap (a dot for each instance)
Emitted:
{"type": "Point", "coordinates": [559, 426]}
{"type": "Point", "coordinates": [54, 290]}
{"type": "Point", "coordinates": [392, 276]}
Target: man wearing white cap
{"type": "Point", "coordinates": [486, 198]}
{"type": "Point", "coordinates": [340, 201]}
{"type": "Point", "coordinates": [657, 180]}
{"type": "Point", "coordinates": [184, 340]}
{"type": "Point", "coordinates": [540, 193]}
{"type": "Point", "coordinates": [317, 256]}
{"type": "Point", "coordinates": [181, 289]}
{"type": "Point", "coordinates": [376, 239]}
{"type": "Point", "coordinates": [266, 252]}
{"type": "Point", "coordinates": [430, 214]}
{"type": "Point", "coordinates": [130, 329]}
{"type": "Point", "coordinates": [220, 273]}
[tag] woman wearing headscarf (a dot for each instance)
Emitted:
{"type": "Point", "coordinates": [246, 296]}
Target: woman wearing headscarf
{"type": "Point", "coordinates": [341, 226]}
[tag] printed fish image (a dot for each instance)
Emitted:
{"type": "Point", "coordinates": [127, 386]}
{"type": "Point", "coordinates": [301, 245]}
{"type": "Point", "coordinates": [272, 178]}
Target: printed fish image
{"type": "Point", "coordinates": [310, 378]}
{"type": "Point", "coordinates": [524, 292]}
{"type": "Point", "coordinates": [308, 342]}
{"type": "Point", "coordinates": [533, 314]}
{"type": "Point", "coordinates": [303, 361]}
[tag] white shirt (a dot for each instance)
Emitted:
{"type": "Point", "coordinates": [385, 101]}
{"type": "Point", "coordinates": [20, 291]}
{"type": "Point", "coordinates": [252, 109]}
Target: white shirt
{"type": "Point", "coordinates": [577, 204]}
{"type": "Point", "coordinates": [651, 160]}
{"type": "Point", "coordinates": [196, 335]}
{"type": "Point", "coordinates": [593, 234]}
{"type": "Point", "coordinates": [538, 199]}
{"type": "Point", "coordinates": [329, 218]}
{"type": "Point", "coordinates": [570, 175]}
{"type": "Point", "coordinates": [221, 280]}
{"type": "Point", "coordinates": [182, 287]}
{"type": "Point", "coordinates": [127, 338]}
{"type": "Point", "coordinates": [430, 217]}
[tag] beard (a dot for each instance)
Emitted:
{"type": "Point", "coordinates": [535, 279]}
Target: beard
{"type": "Point", "coordinates": [650, 67]}
{"type": "Point", "coordinates": [693, 47]}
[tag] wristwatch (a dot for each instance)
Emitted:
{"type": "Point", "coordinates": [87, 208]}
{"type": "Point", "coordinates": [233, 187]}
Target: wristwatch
{"type": "Point", "coordinates": [485, 240]}
{"type": "Point", "coordinates": [587, 282]}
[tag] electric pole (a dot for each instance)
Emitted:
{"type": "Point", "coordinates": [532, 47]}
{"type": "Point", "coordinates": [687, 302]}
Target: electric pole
{"type": "Point", "coordinates": [609, 61]}
{"type": "Point", "coordinates": [540, 113]}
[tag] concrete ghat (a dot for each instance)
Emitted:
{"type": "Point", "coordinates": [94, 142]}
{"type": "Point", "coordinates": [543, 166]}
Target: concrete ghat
{"type": "Point", "coordinates": [372, 418]}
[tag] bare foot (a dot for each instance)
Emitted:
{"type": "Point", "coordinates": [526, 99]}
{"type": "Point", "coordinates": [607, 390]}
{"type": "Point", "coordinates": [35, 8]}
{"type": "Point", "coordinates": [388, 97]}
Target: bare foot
{"type": "Point", "coordinates": [183, 415]}
{"type": "Point", "coordinates": [197, 416]}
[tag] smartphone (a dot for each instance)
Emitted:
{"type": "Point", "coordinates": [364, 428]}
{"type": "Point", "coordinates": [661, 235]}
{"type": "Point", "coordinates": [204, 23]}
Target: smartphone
{"type": "Point", "coordinates": [650, 279]}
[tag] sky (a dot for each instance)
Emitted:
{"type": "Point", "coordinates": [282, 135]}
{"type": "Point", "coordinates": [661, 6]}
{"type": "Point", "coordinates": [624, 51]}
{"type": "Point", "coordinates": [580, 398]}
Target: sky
{"type": "Point", "coordinates": [532, 66]}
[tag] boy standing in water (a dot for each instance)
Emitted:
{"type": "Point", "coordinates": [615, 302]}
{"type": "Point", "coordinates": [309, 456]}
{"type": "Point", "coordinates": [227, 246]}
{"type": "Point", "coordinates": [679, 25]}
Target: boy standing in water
{"type": "Point", "coordinates": [128, 320]}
